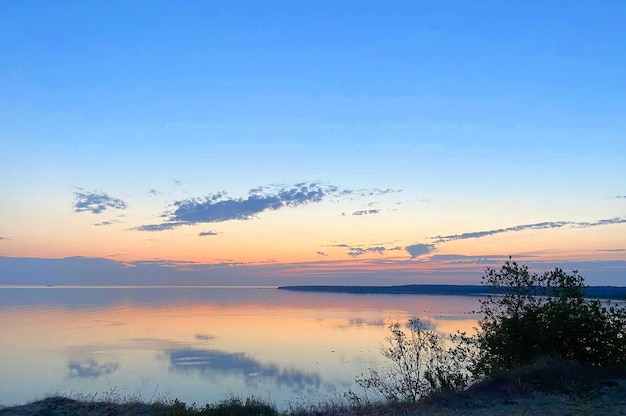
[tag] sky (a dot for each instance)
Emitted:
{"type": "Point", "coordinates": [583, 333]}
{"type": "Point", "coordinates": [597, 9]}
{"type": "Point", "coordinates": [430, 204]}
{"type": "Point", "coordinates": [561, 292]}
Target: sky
{"type": "Point", "coordinates": [278, 142]}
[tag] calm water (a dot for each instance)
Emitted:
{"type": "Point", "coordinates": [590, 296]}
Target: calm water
{"type": "Point", "coordinates": [201, 344]}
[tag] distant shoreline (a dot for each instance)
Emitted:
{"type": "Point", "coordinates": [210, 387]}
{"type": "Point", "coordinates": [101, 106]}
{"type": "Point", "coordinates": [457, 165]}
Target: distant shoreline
{"type": "Point", "coordinates": [596, 292]}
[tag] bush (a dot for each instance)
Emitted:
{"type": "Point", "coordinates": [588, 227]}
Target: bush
{"type": "Point", "coordinates": [528, 320]}
{"type": "Point", "coordinates": [238, 407]}
{"type": "Point", "coordinates": [421, 364]}
{"type": "Point", "coordinates": [534, 316]}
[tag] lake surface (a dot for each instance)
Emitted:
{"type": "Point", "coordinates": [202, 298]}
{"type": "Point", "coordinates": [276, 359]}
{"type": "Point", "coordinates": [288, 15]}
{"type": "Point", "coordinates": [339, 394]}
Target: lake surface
{"type": "Point", "coordinates": [201, 344]}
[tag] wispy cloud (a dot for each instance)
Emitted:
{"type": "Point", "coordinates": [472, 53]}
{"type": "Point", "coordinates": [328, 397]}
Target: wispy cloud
{"type": "Point", "coordinates": [158, 227]}
{"type": "Point", "coordinates": [359, 251]}
{"type": "Point", "coordinates": [417, 250]}
{"type": "Point", "coordinates": [96, 202]}
{"type": "Point", "coordinates": [535, 226]}
{"type": "Point", "coordinates": [3, 238]}
{"type": "Point", "coordinates": [105, 223]}
{"type": "Point", "coordinates": [370, 192]}
{"type": "Point", "coordinates": [619, 196]}
{"type": "Point", "coordinates": [366, 212]}
{"type": "Point", "coordinates": [464, 259]}
{"type": "Point", "coordinates": [154, 192]}
{"type": "Point", "coordinates": [608, 221]}
{"type": "Point", "coordinates": [219, 207]}
{"type": "Point", "coordinates": [207, 233]}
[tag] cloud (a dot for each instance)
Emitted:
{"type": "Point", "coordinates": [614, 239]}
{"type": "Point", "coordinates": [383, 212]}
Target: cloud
{"type": "Point", "coordinates": [375, 270]}
{"type": "Point", "coordinates": [219, 207]}
{"type": "Point", "coordinates": [417, 250]}
{"type": "Point", "coordinates": [207, 233]}
{"type": "Point", "coordinates": [366, 212]}
{"type": "Point", "coordinates": [464, 259]}
{"type": "Point", "coordinates": [619, 197]}
{"type": "Point", "coordinates": [105, 223]}
{"type": "Point", "coordinates": [356, 251]}
{"type": "Point", "coordinates": [359, 251]}
{"type": "Point", "coordinates": [3, 238]}
{"type": "Point", "coordinates": [321, 253]}
{"type": "Point", "coordinates": [616, 250]}
{"type": "Point", "coordinates": [608, 221]}
{"type": "Point", "coordinates": [96, 202]}
{"type": "Point", "coordinates": [154, 192]}
{"type": "Point", "coordinates": [372, 192]}
{"type": "Point", "coordinates": [535, 226]}
{"type": "Point", "coordinates": [158, 227]}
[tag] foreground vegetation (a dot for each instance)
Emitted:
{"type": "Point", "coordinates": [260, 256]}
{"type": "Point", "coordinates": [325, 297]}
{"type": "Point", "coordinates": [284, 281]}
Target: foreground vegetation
{"type": "Point", "coordinates": [547, 388]}
{"type": "Point", "coordinates": [541, 348]}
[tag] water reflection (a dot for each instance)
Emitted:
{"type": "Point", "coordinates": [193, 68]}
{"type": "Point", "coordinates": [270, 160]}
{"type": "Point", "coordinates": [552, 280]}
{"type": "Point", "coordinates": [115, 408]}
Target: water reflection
{"type": "Point", "coordinates": [201, 345]}
{"type": "Point", "coordinates": [210, 362]}
{"type": "Point", "coordinates": [359, 322]}
{"type": "Point", "coordinates": [90, 368]}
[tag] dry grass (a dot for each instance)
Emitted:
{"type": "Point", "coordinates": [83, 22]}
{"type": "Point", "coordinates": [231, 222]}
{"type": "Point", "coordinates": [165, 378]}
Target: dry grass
{"type": "Point", "coordinates": [546, 388]}
{"type": "Point", "coordinates": [610, 402]}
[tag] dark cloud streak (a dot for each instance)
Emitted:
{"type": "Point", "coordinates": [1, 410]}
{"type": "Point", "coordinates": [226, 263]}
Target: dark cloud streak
{"type": "Point", "coordinates": [104, 223]}
{"type": "Point", "coordinates": [535, 226]}
{"type": "Point", "coordinates": [158, 227]}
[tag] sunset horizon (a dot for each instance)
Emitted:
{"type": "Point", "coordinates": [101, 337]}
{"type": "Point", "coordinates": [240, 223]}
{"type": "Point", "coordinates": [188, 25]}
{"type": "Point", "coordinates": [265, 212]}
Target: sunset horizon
{"type": "Point", "coordinates": [364, 143]}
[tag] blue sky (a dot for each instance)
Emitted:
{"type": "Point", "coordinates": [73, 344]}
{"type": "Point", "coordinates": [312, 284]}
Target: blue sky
{"type": "Point", "coordinates": [321, 137]}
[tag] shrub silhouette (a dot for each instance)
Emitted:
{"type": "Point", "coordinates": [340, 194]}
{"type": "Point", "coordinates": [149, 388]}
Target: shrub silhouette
{"type": "Point", "coordinates": [528, 320]}
{"type": "Point", "coordinates": [423, 362]}
{"type": "Point", "coordinates": [536, 316]}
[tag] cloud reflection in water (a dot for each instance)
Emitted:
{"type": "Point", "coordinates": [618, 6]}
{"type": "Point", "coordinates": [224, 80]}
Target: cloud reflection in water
{"type": "Point", "coordinates": [90, 369]}
{"type": "Point", "coordinates": [207, 362]}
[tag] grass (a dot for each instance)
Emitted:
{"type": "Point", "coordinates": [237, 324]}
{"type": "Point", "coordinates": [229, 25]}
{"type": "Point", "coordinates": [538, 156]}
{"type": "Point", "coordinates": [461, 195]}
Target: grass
{"type": "Point", "coordinates": [65, 406]}
{"type": "Point", "coordinates": [545, 388]}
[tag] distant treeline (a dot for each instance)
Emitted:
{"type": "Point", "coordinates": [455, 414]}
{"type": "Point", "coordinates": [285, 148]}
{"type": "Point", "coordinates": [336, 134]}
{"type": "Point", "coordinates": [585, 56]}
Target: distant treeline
{"type": "Point", "coordinates": [596, 292]}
